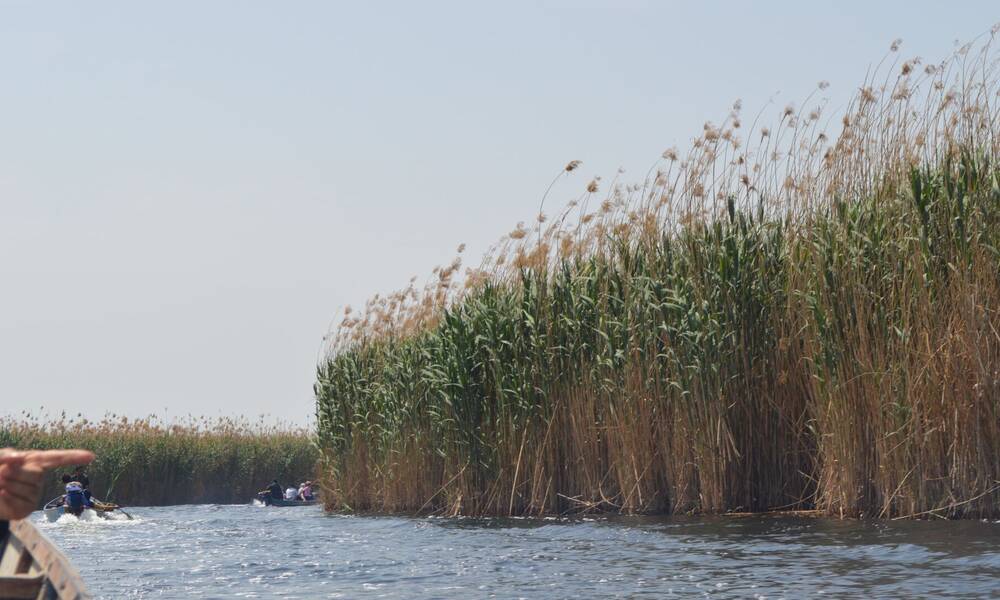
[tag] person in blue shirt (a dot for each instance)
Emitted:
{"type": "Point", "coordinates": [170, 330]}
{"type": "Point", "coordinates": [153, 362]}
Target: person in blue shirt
{"type": "Point", "coordinates": [74, 500]}
{"type": "Point", "coordinates": [77, 497]}
{"type": "Point", "coordinates": [78, 474]}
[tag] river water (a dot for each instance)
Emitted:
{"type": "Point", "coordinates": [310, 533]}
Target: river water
{"type": "Point", "coordinates": [213, 551]}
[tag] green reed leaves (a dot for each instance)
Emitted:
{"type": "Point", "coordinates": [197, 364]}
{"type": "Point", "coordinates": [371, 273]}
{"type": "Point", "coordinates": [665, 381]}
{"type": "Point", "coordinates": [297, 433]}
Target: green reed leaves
{"type": "Point", "coordinates": [150, 462]}
{"type": "Point", "coordinates": [778, 321]}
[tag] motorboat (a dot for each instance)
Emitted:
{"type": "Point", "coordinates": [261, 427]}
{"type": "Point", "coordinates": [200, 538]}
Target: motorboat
{"type": "Point", "coordinates": [55, 508]}
{"type": "Point", "coordinates": [268, 500]}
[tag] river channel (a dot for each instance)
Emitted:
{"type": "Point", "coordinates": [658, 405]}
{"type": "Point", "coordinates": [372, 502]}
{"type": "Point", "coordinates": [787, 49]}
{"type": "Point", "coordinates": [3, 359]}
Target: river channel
{"type": "Point", "coordinates": [210, 551]}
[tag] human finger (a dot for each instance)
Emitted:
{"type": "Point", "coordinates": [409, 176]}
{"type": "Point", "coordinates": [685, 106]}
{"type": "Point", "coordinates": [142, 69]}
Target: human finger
{"type": "Point", "coordinates": [50, 459]}
{"type": "Point", "coordinates": [23, 474]}
{"type": "Point", "coordinates": [9, 456]}
{"type": "Point", "coordinates": [25, 490]}
{"type": "Point", "coordinates": [18, 504]}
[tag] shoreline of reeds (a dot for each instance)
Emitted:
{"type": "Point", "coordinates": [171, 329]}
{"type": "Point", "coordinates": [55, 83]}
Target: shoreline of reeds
{"type": "Point", "coordinates": [782, 319]}
{"type": "Point", "coordinates": [151, 462]}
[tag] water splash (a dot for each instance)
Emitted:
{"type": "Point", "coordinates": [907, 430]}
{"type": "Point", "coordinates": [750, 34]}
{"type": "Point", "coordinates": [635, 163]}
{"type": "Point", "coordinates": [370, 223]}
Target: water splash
{"type": "Point", "coordinates": [88, 519]}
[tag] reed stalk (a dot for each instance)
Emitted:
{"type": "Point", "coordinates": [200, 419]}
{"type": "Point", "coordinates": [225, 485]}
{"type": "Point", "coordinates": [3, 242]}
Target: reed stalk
{"type": "Point", "coordinates": [782, 319]}
{"type": "Point", "coordinates": [149, 462]}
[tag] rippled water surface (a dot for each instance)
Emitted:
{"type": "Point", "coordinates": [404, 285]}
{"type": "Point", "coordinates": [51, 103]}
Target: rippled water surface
{"type": "Point", "coordinates": [257, 552]}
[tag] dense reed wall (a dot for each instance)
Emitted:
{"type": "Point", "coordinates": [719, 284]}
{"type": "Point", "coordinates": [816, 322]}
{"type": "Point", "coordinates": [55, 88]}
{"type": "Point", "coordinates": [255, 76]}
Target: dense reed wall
{"type": "Point", "coordinates": [147, 463]}
{"type": "Point", "coordinates": [776, 321]}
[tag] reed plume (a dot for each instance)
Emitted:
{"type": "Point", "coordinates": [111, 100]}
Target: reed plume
{"type": "Point", "coordinates": [153, 461]}
{"type": "Point", "coordinates": [784, 317]}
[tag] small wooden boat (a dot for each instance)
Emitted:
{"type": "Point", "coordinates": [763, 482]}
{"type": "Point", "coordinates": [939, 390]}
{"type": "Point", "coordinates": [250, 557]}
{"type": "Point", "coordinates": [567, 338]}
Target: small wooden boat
{"type": "Point", "coordinates": [32, 568]}
{"type": "Point", "coordinates": [269, 501]}
{"type": "Point", "coordinates": [54, 509]}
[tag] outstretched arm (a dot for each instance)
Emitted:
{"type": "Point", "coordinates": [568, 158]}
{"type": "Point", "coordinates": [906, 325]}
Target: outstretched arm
{"type": "Point", "coordinates": [21, 477]}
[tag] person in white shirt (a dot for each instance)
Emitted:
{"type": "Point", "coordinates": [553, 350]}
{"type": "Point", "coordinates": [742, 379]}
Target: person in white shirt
{"type": "Point", "coordinates": [291, 493]}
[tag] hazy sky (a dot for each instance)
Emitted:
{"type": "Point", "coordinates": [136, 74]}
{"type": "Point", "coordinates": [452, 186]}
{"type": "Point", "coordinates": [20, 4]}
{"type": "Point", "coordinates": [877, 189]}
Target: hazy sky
{"type": "Point", "coordinates": [190, 191]}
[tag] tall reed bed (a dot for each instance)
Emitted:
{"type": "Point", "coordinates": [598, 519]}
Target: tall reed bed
{"type": "Point", "coordinates": [779, 319]}
{"type": "Point", "coordinates": [152, 462]}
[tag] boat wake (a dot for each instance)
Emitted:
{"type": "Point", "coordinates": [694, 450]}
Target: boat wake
{"type": "Point", "coordinates": [88, 518]}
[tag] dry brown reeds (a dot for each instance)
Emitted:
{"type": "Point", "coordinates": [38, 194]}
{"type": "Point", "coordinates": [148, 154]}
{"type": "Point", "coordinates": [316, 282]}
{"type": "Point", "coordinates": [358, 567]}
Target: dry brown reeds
{"type": "Point", "coordinates": [155, 461]}
{"type": "Point", "coordinates": [780, 319]}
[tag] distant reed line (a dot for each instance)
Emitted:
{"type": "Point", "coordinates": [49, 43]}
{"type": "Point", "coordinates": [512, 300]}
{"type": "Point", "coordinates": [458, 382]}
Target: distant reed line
{"type": "Point", "coordinates": [780, 319]}
{"type": "Point", "coordinates": [147, 462]}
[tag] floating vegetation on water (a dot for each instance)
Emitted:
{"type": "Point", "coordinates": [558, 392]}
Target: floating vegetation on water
{"type": "Point", "coordinates": [782, 318]}
{"type": "Point", "coordinates": [153, 461]}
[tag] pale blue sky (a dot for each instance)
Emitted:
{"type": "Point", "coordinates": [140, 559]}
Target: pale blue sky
{"type": "Point", "coordinates": [189, 192]}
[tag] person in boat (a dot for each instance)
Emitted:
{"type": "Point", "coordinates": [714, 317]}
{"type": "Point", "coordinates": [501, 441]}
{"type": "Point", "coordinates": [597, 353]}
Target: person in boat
{"type": "Point", "coordinates": [71, 499]}
{"type": "Point", "coordinates": [78, 474]}
{"type": "Point", "coordinates": [305, 491]}
{"type": "Point", "coordinates": [75, 500]}
{"type": "Point", "coordinates": [272, 492]}
{"type": "Point", "coordinates": [21, 474]}
{"type": "Point", "coordinates": [292, 493]}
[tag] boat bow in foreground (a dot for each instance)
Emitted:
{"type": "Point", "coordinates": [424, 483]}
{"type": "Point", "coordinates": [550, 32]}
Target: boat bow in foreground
{"type": "Point", "coordinates": [32, 568]}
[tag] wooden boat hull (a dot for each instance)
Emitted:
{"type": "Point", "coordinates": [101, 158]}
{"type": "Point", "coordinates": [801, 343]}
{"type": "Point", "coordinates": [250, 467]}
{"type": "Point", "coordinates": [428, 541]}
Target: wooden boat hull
{"type": "Point", "coordinates": [269, 501]}
{"type": "Point", "coordinates": [32, 568]}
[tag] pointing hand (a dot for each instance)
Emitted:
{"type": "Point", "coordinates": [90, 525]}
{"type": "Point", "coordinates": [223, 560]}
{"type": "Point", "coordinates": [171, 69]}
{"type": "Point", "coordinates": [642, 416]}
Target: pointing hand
{"type": "Point", "coordinates": [21, 477]}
